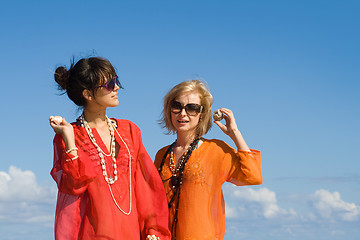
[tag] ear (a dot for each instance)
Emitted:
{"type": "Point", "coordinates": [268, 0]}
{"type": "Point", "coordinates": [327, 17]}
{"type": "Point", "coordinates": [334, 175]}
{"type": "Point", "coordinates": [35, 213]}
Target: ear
{"type": "Point", "coordinates": [87, 94]}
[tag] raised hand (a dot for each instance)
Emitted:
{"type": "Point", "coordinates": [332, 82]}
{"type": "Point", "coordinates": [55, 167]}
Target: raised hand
{"type": "Point", "coordinates": [231, 129]}
{"type": "Point", "coordinates": [61, 126]}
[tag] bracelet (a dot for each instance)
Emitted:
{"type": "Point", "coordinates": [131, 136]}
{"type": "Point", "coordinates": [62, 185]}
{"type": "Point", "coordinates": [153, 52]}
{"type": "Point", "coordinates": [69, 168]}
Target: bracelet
{"type": "Point", "coordinates": [72, 159]}
{"type": "Point", "coordinates": [152, 237]}
{"type": "Point", "coordinates": [72, 149]}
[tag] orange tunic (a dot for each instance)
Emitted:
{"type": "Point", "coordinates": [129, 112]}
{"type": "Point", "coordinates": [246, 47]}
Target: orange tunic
{"type": "Point", "coordinates": [201, 213]}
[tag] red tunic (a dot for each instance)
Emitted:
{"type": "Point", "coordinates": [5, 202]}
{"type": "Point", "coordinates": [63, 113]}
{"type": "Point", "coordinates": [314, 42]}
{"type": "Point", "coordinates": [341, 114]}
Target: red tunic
{"type": "Point", "coordinates": [85, 208]}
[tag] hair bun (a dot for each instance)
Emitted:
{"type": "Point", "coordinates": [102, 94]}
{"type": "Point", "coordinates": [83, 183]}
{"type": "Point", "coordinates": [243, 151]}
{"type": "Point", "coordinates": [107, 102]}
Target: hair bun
{"type": "Point", "coordinates": [61, 76]}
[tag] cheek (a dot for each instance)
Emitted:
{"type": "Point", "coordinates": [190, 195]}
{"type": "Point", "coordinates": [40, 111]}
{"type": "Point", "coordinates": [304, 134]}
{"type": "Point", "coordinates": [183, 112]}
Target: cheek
{"type": "Point", "coordinates": [172, 119]}
{"type": "Point", "coordinates": [196, 120]}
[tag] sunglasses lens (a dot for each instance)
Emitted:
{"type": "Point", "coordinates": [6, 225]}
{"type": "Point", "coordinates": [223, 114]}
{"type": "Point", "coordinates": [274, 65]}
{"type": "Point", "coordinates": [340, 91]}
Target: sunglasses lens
{"type": "Point", "coordinates": [118, 82]}
{"type": "Point", "coordinates": [193, 109]}
{"type": "Point", "coordinates": [176, 107]}
{"type": "Point", "coordinates": [110, 85]}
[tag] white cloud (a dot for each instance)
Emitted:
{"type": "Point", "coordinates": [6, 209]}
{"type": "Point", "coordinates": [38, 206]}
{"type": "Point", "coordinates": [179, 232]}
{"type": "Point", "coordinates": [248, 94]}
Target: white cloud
{"type": "Point", "coordinates": [326, 217]}
{"type": "Point", "coordinates": [263, 197]}
{"type": "Point", "coordinates": [246, 202]}
{"type": "Point", "coordinates": [18, 185]}
{"type": "Point", "coordinates": [23, 200]}
{"type": "Point", "coordinates": [330, 205]}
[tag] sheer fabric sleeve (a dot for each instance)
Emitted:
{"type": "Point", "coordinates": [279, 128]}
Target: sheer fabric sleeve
{"type": "Point", "coordinates": [241, 167]}
{"type": "Point", "coordinates": [150, 196]}
{"type": "Point", "coordinates": [71, 178]}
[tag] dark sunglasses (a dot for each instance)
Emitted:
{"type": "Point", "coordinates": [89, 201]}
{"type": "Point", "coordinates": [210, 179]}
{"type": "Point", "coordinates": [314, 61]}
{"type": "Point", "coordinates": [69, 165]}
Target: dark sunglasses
{"type": "Point", "coordinates": [110, 85]}
{"type": "Point", "coordinates": [192, 109]}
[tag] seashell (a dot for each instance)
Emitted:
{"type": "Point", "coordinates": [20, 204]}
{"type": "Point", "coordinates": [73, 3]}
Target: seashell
{"type": "Point", "coordinates": [218, 115]}
{"type": "Point", "coordinates": [56, 119]}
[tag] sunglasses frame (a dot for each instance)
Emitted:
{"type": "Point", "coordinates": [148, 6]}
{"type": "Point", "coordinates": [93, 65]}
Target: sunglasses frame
{"type": "Point", "coordinates": [197, 111]}
{"type": "Point", "coordinates": [115, 80]}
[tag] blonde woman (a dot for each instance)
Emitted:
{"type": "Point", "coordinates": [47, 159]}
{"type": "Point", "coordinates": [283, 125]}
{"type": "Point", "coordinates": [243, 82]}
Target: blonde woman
{"type": "Point", "coordinates": [193, 169]}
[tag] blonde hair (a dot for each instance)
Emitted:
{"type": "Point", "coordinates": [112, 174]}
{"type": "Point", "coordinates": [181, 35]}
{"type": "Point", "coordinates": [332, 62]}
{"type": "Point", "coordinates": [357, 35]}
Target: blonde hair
{"type": "Point", "coordinates": [206, 100]}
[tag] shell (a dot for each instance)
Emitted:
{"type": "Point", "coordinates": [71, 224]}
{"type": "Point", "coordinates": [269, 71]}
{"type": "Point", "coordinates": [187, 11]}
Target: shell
{"type": "Point", "coordinates": [56, 119]}
{"type": "Point", "coordinates": [218, 115]}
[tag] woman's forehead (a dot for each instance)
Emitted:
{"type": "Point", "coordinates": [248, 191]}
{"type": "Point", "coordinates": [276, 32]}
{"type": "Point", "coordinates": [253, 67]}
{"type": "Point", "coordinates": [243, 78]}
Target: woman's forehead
{"type": "Point", "coordinates": [190, 97]}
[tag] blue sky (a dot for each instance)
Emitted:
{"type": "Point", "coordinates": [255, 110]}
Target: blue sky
{"type": "Point", "coordinates": [289, 70]}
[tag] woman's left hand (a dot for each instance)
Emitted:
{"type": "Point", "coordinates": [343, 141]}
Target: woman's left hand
{"type": "Point", "coordinates": [230, 128]}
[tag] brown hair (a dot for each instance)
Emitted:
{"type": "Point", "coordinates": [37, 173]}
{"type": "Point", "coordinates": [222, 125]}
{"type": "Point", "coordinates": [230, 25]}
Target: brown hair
{"type": "Point", "coordinates": [87, 73]}
{"type": "Point", "coordinates": [206, 100]}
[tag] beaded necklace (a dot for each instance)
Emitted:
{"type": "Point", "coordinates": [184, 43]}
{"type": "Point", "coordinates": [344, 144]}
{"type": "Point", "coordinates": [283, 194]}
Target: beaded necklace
{"type": "Point", "coordinates": [101, 153]}
{"type": "Point", "coordinates": [177, 177]}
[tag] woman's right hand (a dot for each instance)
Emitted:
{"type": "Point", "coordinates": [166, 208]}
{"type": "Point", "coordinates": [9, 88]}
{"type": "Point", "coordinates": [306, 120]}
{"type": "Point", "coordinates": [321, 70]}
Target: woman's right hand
{"type": "Point", "coordinates": [60, 125]}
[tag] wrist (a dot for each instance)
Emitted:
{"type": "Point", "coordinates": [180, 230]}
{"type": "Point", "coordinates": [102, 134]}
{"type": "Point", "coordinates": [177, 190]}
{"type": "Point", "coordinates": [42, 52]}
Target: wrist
{"type": "Point", "coordinates": [234, 133]}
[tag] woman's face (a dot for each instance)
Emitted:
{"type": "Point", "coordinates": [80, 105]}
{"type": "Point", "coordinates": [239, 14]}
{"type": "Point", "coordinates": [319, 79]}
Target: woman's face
{"type": "Point", "coordinates": [104, 97]}
{"type": "Point", "coordinates": [182, 121]}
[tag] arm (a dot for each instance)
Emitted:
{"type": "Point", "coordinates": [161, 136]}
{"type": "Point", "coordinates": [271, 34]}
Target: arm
{"type": "Point", "coordinates": [72, 169]}
{"type": "Point", "coordinates": [244, 166]}
{"type": "Point", "coordinates": [66, 130]}
{"type": "Point", "coordinates": [232, 130]}
{"type": "Point", "coordinates": [246, 169]}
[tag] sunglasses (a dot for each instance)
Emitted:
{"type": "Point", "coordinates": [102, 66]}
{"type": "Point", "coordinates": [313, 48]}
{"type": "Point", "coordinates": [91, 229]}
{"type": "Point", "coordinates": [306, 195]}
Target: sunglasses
{"type": "Point", "coordinates": [110, 85]}
{"type": "Point", "coordinates": [192, 109]}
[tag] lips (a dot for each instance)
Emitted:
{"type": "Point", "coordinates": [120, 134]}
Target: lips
{"type": "Point", "coordinates": [182, 121]}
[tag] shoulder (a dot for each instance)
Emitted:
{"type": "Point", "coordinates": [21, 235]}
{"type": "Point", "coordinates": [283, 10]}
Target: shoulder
{"type": "Point", "coordinates": [127, 128]}
{"type": "Point", "coordinates": [215, 142]}
{"type": "Point", "coordinates": [125, 124]}
{"type": "Point", "coordinates": [218, 145]}
{"type": "Point", "coordinates": [162, 152]}
{"type": "Point", "coordinates": [163, 149]}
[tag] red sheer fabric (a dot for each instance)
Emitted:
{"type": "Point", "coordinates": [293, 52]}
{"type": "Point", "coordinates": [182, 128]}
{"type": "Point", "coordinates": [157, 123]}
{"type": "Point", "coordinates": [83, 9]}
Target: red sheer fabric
{"type": "Point", "coordinates": [85, 208]}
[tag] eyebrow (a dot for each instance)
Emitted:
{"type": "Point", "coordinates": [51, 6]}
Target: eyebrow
{"type": "Point", "coordinates": [186, 104]}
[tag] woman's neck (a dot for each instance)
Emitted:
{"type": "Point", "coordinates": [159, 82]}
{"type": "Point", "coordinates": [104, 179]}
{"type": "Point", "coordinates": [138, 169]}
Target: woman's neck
{"type": "Point", "coordinates": [95, 119]}
{"type": "Point", "coordinates": [184, 139]}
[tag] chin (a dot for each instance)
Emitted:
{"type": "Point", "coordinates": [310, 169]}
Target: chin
{"type": "Point", "coordinates": [114, 104]}
{"type": "Point", "coordinates": [185, 129]}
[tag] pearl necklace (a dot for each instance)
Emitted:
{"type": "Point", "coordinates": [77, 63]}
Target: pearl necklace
{"type": "Point", "coordinates": [101, 153]}
{"type": "Point", "coordinates": [172, 165]}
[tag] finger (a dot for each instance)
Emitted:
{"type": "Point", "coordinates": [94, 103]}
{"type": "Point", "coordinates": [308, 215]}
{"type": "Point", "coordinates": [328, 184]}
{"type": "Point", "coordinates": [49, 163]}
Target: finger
{"type": "Point", "coordinates": [227, 112]}
{"type": "Point", "coordinates": [221, 126]}
{"type": "Point", "coordinates": [56, 119]}
{"type": "Point", "coordinates": [54, 126]}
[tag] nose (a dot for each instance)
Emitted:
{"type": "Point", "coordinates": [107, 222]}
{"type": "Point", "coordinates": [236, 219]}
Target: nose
{"type": "Point", "coordinates": [116, 87]}
{"type": "Point", "coordinates": [183, 112]}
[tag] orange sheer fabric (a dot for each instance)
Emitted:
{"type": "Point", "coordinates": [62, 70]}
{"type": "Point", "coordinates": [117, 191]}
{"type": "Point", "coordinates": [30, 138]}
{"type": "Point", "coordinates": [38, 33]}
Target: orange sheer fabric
{"type": "Point", "coordinates": [85, 208]}
{"type": "Point", "coordinates": [201, 214]}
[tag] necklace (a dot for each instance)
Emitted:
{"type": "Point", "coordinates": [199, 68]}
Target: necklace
{"type": "Point", "coordinates": [101, 153]}
{"type": "Point", "coordinates": [174, 180]}
{"type": "Point", "coordinates": [177, 178]}
{"type": "Point", "coordinates": [172, 164]}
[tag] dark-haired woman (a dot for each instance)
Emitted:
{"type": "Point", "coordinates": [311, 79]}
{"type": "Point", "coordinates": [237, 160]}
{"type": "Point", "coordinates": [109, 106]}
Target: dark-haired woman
{"type": "Point", "coordinates": [193, 169]}
{"type": "Point", "coordinates": [108, 185]}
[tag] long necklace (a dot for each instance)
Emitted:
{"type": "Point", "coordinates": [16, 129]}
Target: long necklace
{"type": "Point", "coordinates": [177, 177]}
{"type": "Point", "coordinates": [101, 153]}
